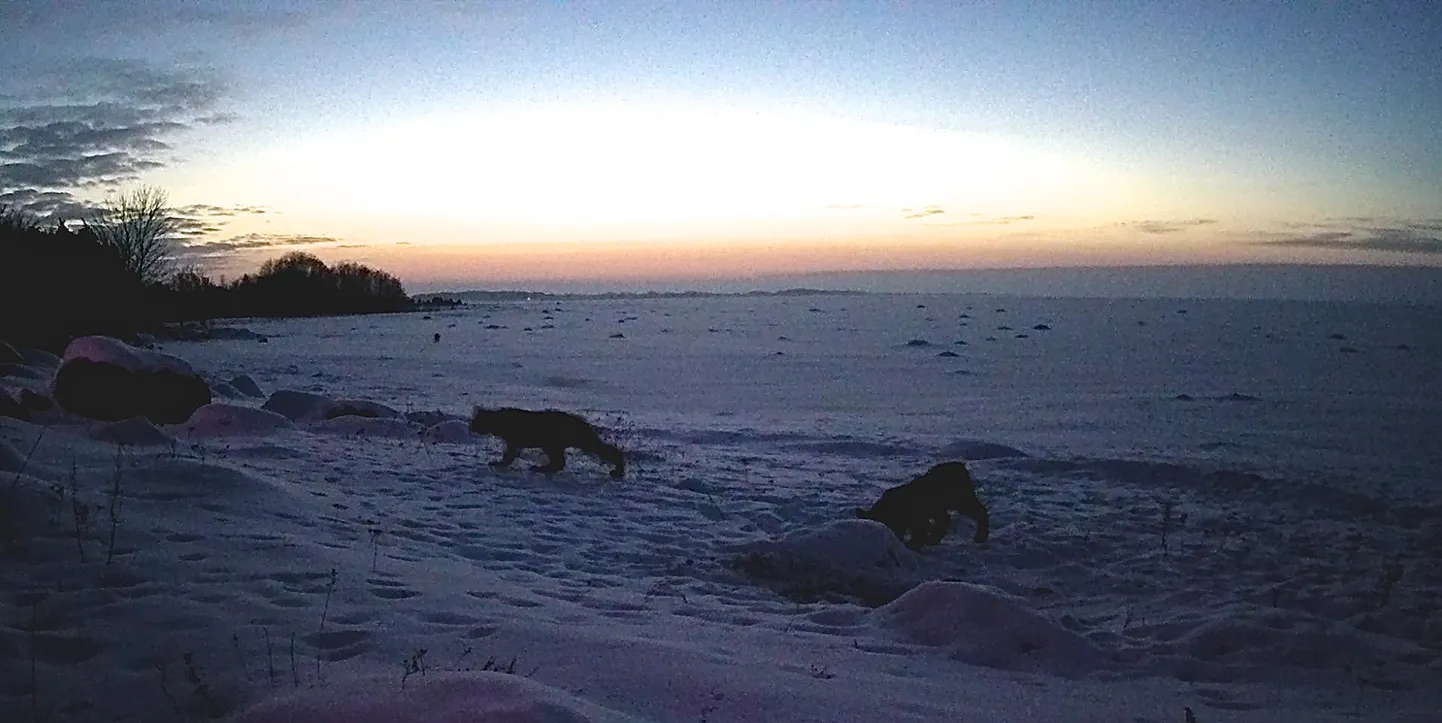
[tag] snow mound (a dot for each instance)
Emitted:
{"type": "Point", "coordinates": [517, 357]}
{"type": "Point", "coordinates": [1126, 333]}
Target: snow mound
{"type": "Point", "coordinates": [434, 698]}
{"type": "Point", "coordinates": [453, 431]}
{"type": "Point", "coordinates": [981, 625]}
{"type": "Point", "coordinates": [232, 420]}
{"type": "Point", "coordinates": [855, 558]}
{"type": "Point", "coordinates": [298, 406]}
{"type": "Point", "coordinates": [366, 426]}
{"type": "Point", "coordinates": [133, 432]}
{"type": "Point", "coordinates": [105, 350]}
{"type": "Point", "coordinates": [1234, 649]}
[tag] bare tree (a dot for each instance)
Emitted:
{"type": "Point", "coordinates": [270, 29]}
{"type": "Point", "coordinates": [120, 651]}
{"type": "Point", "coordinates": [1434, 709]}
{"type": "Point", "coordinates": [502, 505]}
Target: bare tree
{"type": "Point", "coordinates": [139, 226]}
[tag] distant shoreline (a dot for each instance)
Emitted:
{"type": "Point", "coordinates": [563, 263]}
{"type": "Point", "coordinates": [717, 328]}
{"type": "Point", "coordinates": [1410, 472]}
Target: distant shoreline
{"type": "Point", "coordinates": [1404, 284]}
{"type": "Point", "coordinates": [518, 295]}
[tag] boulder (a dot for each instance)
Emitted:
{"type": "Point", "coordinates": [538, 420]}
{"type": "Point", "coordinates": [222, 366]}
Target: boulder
{"type": "Point", "coordinates": [247, 386]}
{"type": "Point", "coordinates": [361, 408]}
{"type": "Point", "coordinates": [298, 406]}
{"type": "Point", "coordinates": [233, 420]}
{"type": "Point", "coordinates": [844, 560]}
{"type": "Point", "coordinates": [107, 379]}
{"type": "Point", "coordinates": [306, 407]}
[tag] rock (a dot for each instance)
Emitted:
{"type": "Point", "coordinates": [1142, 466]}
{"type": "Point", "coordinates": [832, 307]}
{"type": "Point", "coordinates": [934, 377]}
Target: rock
{"type": "Point", "coordinates": [247, 386]}
{"type": "Point", "coordinates": [846, 559]}
{"type": "Point", "coordinates": [298, 406]}
{"type": "Point", "coordinates": [305, 407]}
{"type": "Point", "coordinates": [361, 408]}
{"type": "Point", "coordinates": [231, 420]}
{"type": "Point", "coordinates": [453, 431]}
{"type": "Point", "coordinates": [918, 342]}
{"type": "Point", "coordinates": [107, 379]}
{"type": "Point", "coordinates": [133, 432]}
{"type": "Point", "coordinates": [221, 389]}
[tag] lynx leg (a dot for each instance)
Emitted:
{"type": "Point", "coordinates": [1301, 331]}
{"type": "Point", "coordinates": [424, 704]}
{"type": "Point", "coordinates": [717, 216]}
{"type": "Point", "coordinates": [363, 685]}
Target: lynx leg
{"type": "Point", "coordinates": [555, 460]}
{"type": "Point", "coordinates": [940, 525]}
{"type": "Point", "coordinates": [977, 512]}
{"type": "Point", "coordinates": [612, 455]}
{"type": "Point", "coordinates": [512, 451]}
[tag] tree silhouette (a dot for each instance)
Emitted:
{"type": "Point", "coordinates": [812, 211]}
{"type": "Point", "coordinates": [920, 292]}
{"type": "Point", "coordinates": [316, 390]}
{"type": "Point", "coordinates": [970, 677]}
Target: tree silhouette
{"type": "Point", "coordinates": [58, 282]}
{"type": "Point", "coordinates": [139, 226]}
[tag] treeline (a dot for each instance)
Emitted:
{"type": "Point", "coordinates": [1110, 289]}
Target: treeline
{"type": "Point", "coordinates": [296, 284]}
{"type": "Point", "coordinates": [58, 282]}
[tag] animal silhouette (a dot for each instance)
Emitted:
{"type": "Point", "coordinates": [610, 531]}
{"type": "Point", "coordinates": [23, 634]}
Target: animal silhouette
{"type": "Point", "coordinates": [550, 430]}
{"type": "Point", "coordinates": [918, 511]}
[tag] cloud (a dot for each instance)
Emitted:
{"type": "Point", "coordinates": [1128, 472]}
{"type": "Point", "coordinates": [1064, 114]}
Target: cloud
{"type": "Point", "coordinates": [56, 205]}
{"type": "Point", "coordinates": [1419, 237]}
{"type": "Point", "coordinates": [977, 219]}
{"type": "Point", "coordinates": [923, 212]}
{"type": "Point", "coordinates": [251, 241]}
{"type": "Point", "coordinates": [102, 19]}
{"type": "Point", "coordinates": [199, 220]}
{"type": "Point", "coordinates": [97, 123]}
{"type": "Point", "coordinates": [1165, 227]}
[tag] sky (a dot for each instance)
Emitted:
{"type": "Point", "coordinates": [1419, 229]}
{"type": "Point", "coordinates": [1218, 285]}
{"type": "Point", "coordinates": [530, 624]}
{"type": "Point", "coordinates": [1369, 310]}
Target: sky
{"type": "Point", "coordinates": [499, 144]}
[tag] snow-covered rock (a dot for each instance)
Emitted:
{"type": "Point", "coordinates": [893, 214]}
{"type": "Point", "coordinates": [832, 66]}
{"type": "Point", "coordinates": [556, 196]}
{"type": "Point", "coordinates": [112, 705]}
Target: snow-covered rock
{"type": "Point", "coordinates": [133, 432]}
{"type": "Point", "coordinates": [453, 431]}
{"type": "Point", "coordinates": [233, 420]}
{"type": "Point", "coordinates": [298, 406]}
{"type": "Point", "coordinates": [107, 379]}
{"type": "Point", "coordinates": [361, 408]}
{"type": "Point", "coordinates": [247, 386]}
{"type": "Point", "coordinates": [307, 407]}
{"type": "Point", "coordinates": [980, 625]}
{"type": "Point", "coordinates": [850, 558]}
{"type": "Point", "coordinates": [106, 350]}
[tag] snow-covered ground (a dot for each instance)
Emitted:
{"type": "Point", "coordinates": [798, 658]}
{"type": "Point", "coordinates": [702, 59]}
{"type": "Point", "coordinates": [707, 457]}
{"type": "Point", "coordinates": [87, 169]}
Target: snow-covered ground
{"type": "Point", "coordinates": [1226, 506]}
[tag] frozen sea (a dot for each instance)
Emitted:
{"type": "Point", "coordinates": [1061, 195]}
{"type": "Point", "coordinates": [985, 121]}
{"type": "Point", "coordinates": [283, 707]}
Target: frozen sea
{"type": "Point", "coordinates": [1223, 505]}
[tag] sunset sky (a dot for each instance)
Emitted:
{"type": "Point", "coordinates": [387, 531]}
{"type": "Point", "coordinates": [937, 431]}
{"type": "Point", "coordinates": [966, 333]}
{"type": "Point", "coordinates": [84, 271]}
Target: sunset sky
{"type": "Point", "coordinates": [495, 144]}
